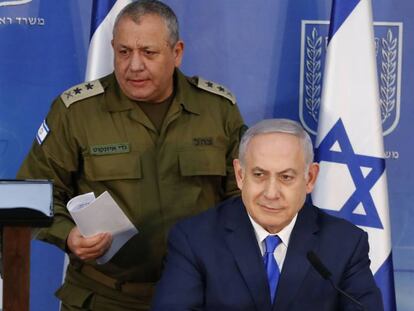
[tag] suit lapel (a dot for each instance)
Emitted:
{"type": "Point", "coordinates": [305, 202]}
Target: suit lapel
{"type": "Point", "coordinates": [241, 240]}
{"type": "Point", "coordinates": [296, 265]}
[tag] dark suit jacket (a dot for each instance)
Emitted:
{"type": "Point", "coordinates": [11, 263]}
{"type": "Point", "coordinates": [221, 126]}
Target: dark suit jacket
{"type": "Point", "coordinates": [214, 263]}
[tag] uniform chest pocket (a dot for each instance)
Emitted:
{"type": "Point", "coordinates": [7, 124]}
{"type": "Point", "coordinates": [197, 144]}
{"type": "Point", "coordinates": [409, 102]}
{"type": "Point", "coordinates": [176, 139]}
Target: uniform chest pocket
{"type": "Point", "coordinates": [202, 162]}
{"type": "Point", "coordinates": [114, 166]}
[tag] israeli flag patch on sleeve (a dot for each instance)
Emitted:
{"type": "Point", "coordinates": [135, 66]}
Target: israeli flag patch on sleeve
{"type": "Point", "coordinates": [42, 132]}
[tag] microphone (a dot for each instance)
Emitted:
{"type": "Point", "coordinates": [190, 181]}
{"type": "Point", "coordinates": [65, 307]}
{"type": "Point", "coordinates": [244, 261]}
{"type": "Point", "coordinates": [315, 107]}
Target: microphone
{"type": "Point", "coordinates": [326, 274]}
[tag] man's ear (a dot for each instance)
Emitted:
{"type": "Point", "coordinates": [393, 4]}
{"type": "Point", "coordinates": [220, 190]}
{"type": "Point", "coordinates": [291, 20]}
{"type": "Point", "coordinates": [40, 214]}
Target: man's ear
{"type": "Point", "coordinates": [178, 51]}
{"type": "Point", "coordinates": [238, 171]}
{"type": "Point", "coordinates": [312, 176]}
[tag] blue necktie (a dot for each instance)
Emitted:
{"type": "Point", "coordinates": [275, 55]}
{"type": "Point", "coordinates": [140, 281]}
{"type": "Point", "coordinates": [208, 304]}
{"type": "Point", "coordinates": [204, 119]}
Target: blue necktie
{"type": "Point", "coordinates": [272, 269]}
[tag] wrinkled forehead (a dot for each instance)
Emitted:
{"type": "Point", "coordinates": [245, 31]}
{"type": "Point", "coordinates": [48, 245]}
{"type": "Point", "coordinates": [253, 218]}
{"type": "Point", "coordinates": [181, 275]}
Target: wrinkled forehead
{"type": "Point", "coordinates": [275, 146]}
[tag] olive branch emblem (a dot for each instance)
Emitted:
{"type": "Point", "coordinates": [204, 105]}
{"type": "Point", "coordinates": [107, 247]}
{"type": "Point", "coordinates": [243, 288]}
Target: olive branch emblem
{"type": "Point", "coordinates": [313, 73]}
{"type": "Point", "coordinates": [388, 75]}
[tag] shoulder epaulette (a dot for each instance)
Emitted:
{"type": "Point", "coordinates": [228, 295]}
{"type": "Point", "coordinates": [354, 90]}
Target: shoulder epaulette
{"type": "Point", "coordinates": [215, 88]}
{"type": "Point", "coordinates": [81, 91]}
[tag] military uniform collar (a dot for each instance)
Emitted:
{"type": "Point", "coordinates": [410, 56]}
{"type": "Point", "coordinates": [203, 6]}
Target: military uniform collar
{"type": "Point", "coordinates": [115, 99]}
{"type": "Point", "coordinates": [183, 96]}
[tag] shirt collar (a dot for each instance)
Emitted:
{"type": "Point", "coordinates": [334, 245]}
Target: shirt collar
{"type": "Point", "coordinates": [283, 234]}
{"type": "Point", "coordinates": [115, 100]}
{"type": "Point", "coordinates": [118, 101]}
{"type": "Point", "coordinates": [184, 94]}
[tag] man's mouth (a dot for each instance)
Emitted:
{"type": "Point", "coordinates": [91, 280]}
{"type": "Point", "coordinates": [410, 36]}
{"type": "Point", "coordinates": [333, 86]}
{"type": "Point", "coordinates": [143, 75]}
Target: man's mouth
{"type": "Point", "coordinates": [270, 207]}
{"type": "Point", "coordinates": [138, 82]}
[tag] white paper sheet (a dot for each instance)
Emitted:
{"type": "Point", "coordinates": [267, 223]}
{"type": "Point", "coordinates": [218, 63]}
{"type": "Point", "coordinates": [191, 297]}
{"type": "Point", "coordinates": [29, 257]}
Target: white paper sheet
{"type": "Point", "coordinates": [93, 216]}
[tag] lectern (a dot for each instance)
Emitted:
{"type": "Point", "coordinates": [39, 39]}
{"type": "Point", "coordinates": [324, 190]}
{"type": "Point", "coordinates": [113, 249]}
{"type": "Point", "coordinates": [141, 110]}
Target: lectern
{"type": "Point", "coordinates": [24, 204]}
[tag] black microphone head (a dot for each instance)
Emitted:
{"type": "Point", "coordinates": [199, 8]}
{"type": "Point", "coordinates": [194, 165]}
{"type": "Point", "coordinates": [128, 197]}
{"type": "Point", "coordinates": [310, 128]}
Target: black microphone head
{"type": "Point", "coordinates": [318, 265]}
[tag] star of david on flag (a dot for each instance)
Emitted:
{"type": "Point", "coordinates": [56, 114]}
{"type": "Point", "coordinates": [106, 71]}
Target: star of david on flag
{"type": "Point", "coordinates": [352, 182]}
{"type": "Point", "coordinates": [361, 196]}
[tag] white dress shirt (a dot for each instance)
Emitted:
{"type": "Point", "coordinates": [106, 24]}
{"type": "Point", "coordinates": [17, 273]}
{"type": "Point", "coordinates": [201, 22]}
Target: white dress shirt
{"type": "Point", "coordinates": [284, 235]}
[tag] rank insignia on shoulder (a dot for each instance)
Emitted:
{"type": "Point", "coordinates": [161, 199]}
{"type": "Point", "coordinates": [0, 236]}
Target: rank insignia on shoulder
{"type": "Point", "coordinates": [81, 91]}
{"type": "Point", "coordinates": [216, 89]}
{"type": "Point", "coordinates": [42, 132]}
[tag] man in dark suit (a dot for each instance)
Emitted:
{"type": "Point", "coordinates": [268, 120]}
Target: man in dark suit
{"type": "Point", "coordinates": [250, 253]}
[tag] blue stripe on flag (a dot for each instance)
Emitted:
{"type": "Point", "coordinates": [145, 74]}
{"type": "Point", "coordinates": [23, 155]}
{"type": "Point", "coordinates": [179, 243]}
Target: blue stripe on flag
{"type": "Point", "coordinates": [100, 9]}
{"type": "Point", "coordinates": [385, 281]}
{"type": "Point", "coordinates": [339, 13]}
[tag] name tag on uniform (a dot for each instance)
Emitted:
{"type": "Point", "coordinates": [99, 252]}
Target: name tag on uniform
{"type": "Point", "coordinates": [109, 149]}
{"type": "Point", "coordinates": [203, 141]}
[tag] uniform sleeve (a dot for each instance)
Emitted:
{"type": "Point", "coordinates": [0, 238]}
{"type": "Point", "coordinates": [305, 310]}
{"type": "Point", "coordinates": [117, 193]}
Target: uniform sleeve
{"type": "Point", "coordinates": [56, 158]}
{"type": "Point", "coordinates": [235, 128]}
{"type": "Point", "coordinates": [359, 282]}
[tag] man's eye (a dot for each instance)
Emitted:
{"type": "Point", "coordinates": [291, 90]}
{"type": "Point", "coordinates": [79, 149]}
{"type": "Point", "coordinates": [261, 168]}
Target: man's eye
{"type": "Point", "coordinates": [286, 177]}
{"type": "Point", "coordinates": [258, 174]}
{"type": "Point", "coordinates": [149, 53]}
{"type": "Point", "coordinates": [123, 52]}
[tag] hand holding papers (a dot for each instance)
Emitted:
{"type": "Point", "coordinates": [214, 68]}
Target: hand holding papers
{"type": "Point", "coordinates": [93, 216]}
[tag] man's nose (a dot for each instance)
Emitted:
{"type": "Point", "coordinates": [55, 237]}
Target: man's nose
{"type": "Point", "coordinates": [136, 63]}
{"type": "Point", "coordinates": [272, 189]}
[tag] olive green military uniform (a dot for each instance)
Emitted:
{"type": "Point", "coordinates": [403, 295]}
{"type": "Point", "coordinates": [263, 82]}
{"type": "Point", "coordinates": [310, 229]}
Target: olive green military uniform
{"type": "Point", "coordinates": [95, 139]}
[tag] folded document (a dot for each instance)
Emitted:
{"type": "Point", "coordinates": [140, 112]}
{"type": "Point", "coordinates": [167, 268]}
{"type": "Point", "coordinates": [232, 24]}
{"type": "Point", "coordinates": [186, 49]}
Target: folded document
{"type": "Point", "coordinates": [103, 214]}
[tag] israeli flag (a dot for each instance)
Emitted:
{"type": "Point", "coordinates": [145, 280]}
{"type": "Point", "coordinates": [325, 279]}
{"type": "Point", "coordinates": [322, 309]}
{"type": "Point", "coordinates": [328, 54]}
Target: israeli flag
{"type": "Point", "coordinates": [100, 54]}
{"type": "Point", "coordinates": [349, 144]}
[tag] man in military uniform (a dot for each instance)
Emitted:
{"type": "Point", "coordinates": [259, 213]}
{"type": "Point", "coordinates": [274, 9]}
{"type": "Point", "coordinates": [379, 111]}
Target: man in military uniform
{"type": "Point", "coordinates": [160, 143]}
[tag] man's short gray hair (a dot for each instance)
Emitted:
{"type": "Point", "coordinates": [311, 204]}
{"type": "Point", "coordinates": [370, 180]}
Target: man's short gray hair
{"type": "Point", "coordinates": [138, 9]}
{"type": "Point", "coordinates": [278, 126]}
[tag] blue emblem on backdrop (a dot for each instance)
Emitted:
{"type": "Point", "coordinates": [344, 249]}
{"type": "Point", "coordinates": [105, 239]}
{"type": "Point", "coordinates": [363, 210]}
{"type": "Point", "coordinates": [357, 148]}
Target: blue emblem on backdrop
{"type": "Point", "coordinates": [314, 39]}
